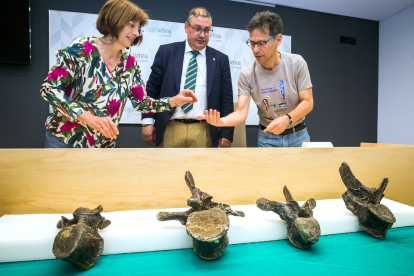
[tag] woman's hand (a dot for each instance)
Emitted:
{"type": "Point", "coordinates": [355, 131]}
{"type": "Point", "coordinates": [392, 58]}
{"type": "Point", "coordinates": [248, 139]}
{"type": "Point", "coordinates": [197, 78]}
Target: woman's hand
{"type": "Point", "coordinates": [102, 124]}
{"type": "Point", "coordinates": [212, 117]}
{"type": "Point", "coordinates": [185, 96]}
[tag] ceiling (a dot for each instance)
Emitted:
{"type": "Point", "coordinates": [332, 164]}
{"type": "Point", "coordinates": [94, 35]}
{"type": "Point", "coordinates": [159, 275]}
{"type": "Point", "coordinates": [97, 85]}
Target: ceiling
{"type": "Point", "coordinates": [366, 9]}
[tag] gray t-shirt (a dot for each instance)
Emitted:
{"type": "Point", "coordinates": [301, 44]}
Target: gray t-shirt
{"type": "Point", "coordinates": [275, 92]}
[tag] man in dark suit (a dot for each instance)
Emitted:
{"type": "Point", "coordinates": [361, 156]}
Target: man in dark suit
{"type": "Point", "coordinates": [192, 65]}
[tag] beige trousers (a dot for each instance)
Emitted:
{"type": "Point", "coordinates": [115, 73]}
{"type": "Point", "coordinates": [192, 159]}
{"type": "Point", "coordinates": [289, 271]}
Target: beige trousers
{"type": "Point", "coordinates": [181, 135]}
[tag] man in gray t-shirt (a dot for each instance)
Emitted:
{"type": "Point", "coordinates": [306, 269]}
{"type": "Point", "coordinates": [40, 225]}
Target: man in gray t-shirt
{"type": "Point", "coordinates": [279, 84]}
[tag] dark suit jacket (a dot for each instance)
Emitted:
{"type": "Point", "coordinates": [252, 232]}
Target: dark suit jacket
{"type": "Point", "coordinates": [165, 79]}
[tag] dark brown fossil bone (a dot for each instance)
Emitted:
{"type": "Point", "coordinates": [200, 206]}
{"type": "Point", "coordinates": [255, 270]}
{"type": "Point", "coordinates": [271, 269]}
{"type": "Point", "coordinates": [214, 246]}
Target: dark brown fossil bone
{"type": "Point", "coordinates": [303, 229]}
{"type": "Point", "coordinates": [78, 242]}
{"type": "Point", "coordinates": [209, 232]}
{"type": "Point", "coordinates": [364, 203]}
{"type": "Point", "coordinates": [206, 221]}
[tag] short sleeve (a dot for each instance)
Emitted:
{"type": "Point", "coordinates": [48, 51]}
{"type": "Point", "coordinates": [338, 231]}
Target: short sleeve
{"type": "Point", "coordinates": [244, 85]}
{"type": "Point", "coordinates": [303, 77]}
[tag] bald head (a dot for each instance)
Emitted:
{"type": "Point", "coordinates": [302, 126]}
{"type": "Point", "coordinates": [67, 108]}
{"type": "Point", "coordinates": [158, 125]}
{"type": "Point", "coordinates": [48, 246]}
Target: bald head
{"type": "Point", "coordinates": [198, 12]}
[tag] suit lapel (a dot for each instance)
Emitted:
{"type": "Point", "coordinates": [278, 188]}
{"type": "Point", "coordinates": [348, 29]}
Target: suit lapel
{"type": "Point", "coordinates": [211, 68]}
{"type": "Point", "coordinates": [178, 58]}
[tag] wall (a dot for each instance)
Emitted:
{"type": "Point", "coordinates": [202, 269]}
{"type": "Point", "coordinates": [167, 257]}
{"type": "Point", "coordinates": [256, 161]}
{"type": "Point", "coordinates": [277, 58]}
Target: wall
{"type": "Point", "coordinates": [345, 77]}
{"type": "Point", "coordinates": [396, 78]}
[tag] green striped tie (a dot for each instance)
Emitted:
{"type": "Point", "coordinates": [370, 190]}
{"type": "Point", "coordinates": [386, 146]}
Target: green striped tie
{"type": "Point", "coordinates": [190, 80]}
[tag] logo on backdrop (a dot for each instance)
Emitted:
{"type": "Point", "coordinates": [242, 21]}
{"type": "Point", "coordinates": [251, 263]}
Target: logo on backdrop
{"type": "Point", "coordinates": [235, 64]}
{"type": "Point", "coordinates": [129, 109]}
{"type": "Point", "coordinates": [163, 32]}
{"type": "Point", "coordinates": [140, 57]}
{"type": "Point", "coordinates": [215, 37]}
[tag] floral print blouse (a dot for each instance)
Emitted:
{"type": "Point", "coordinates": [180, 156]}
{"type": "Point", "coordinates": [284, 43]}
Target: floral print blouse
{"type": "Point", "coordinates": [81, 82]}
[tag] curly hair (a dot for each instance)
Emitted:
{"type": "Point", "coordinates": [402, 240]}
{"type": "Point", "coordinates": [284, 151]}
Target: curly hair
{"type": "Point", "coordinates": [266, 21]}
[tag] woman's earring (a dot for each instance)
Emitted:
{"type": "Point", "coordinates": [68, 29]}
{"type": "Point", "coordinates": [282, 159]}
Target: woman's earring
{"type": "Point", "coordinates": [111, 38]}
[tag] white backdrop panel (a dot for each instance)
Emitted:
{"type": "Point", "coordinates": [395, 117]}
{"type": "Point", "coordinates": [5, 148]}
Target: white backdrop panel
{"type": "Point", "coordinates": [64, 27]}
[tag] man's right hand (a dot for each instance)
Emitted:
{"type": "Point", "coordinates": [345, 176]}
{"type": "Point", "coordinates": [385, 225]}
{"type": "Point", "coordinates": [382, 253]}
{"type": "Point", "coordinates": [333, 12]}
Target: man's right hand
{"type": "Point", "coordinates": [148, 135]}
{"type": "Point", "coordinates": [212, 117]}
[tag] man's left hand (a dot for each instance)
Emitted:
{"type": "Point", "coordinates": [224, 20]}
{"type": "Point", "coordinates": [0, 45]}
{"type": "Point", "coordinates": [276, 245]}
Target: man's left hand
{"type": "Point", "coordinates": [278, 125]}
{"type": "Point", "coordinates": [224, 143]}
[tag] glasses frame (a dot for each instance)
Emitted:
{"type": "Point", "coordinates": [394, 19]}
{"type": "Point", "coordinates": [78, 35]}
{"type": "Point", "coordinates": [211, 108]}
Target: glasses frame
{"type": "Point", "coordinates": [207, 33]}
{"type": "Point", "coordinates": [257, 43]}
{"type": "Point", "coordinates": [133, 27]}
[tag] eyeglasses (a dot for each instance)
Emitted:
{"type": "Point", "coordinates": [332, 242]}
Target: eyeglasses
{"type": "Point", "coordinates": [260, 44]}
{"type": "Point", "coordinates": [198, 30]}
{"type": "Point", "coordinates": [133, 27]}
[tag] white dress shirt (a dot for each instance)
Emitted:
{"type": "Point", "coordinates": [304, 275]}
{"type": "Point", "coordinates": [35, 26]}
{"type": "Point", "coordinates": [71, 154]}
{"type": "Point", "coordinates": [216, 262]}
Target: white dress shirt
{"type": "Point", "coordinates": [200, 91]}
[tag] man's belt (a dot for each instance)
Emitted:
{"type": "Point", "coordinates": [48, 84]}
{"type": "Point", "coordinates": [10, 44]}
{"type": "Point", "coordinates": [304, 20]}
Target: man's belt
{"type": "Point", "coordinates": [189, 121]}
{"type": "Point", "coordinates": [290, 130]}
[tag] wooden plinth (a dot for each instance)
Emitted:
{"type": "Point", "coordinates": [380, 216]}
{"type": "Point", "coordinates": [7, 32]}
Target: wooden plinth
{"type": "Point", "coordinates": [60, 180]}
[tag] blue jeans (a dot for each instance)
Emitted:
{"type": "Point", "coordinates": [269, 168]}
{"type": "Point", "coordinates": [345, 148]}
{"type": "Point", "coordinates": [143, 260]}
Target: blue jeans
{"type": "Point", "coordinates": [266, 139]}
{"type": "Point", "coordinates": [52, 141]}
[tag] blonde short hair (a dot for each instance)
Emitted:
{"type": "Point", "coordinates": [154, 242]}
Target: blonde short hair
{"type": "Point", "coordinates": [116, 14]}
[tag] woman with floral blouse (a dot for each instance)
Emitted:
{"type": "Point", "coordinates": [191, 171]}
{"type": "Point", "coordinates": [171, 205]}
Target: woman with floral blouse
{"type": "Point", "coordinates": [92, 79]}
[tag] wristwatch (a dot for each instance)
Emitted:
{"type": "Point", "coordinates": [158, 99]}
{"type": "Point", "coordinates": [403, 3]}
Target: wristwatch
{"type": "Point", "coordinates": [290, 120]}
{"type": "Point", "coordinates": [144, 125]}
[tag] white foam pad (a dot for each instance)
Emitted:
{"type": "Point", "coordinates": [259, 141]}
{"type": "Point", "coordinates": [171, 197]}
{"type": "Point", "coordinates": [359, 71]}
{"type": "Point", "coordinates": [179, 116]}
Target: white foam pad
{"type": "Point", "coordinates": [30, 237]}
{"type": "Point", "coordinates": [317, 145]}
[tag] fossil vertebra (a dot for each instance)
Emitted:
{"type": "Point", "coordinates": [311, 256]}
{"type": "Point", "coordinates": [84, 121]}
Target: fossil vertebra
{"type": "Point", "coordinates": [364, 203]}
{"type": "Point", "coordinates": [303, 229]}
{"type": "Point", "coordinates": [78, 242]}
{"type": "Point", "coordinates": [206, 221]}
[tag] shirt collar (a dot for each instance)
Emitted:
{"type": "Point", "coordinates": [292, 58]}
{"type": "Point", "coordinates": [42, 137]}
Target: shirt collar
{"type": "Point", "coordinates": [189, 49]}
